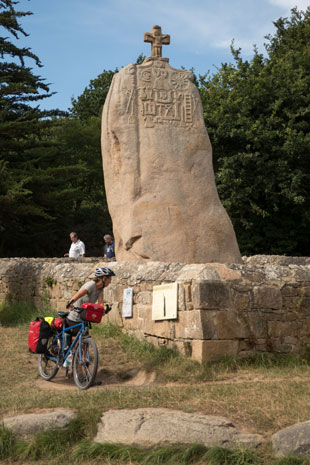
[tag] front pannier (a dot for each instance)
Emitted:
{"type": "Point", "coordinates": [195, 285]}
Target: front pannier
{"type": "Point", "coordinates": [92, 312]}
{"type": "Point", "coordinates": [39, 333]}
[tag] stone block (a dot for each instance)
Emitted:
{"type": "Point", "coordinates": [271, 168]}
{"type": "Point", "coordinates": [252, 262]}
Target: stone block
{"type": "Point", "coordinates": [114, 293]}
{"type": "Point", "coordinates": [225, 273]}
{"type": "Point", "coordinates": [115, 315]}
{"type": "Point", "coordinates": [282, 328]}
{"type": "Point", "coordinates": [181, 298]}
{"type": "Point", "coordinates": [241, 300]}
{"type": "Point", "coordinates": [304, 327]}
{"type": "Point", "coordinates": [267, 297]}
{"type": "Point", "coordinates": [208, 351]}
{"type": "Point", "coordinates": [144, 297]}
{"type": "Point", "coordinates": [211, 295]}
{"type": "Point", "coordinates": [163, 328]}
{"type": "Point", "coordinates": [291, 290]}
{"type": "Point", "coordinates": [282, 348]}
{"type": "Point", "coordinates": [257, 324]}
{"type": "Point", "coordinates": [195, 324]}
{"type": "Point", "coordinates": [188, 292]}
{"type": "Point", "coordinates": [293, 303]}
{"type": "Point", "coordinates": [230, 326]}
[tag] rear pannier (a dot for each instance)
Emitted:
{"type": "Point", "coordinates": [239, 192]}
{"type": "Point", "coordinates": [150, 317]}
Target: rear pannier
{"type": "Point", "coordinates": [39, 333]}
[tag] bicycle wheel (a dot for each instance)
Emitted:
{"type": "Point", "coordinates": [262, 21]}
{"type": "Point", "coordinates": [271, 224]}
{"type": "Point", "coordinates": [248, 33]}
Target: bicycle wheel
{"type": "Point", "coordinates": [48, 362]}
{"type": "Point", "coordinates": [85, 364]}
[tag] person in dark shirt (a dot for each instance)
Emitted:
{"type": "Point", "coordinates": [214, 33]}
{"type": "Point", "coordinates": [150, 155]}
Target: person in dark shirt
{"type": "Point", "coordinates": [109, 251]}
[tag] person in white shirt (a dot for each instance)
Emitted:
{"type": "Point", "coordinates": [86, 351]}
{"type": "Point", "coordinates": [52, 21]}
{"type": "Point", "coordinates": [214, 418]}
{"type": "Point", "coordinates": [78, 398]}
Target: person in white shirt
{"type": "Point", "coordinates": [77, 248]}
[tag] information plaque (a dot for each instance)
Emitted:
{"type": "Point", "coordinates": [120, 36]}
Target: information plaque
{"type": "Point", "coordinates": [165, 302]}
{"type": "Point", "coordinates": [127, 302]}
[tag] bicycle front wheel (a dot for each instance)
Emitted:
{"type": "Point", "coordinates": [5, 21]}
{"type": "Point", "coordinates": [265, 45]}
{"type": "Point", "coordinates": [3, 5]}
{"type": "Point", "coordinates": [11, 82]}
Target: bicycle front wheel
{"type": "Point", "coordinates": [85, 364]}
{"type": "Point", "coordinates": [48, 362]}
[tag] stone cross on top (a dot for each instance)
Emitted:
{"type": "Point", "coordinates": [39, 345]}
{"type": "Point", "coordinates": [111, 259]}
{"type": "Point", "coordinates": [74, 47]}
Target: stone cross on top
{"type": "Point", "coordinates": [157, 39]}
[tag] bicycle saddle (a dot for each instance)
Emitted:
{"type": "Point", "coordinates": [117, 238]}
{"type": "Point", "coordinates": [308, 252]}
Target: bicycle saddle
{"type": "Point", "coordinates": [63, 314]}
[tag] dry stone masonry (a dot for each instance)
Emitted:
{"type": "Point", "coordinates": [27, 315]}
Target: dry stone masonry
{"type": "Point", "coordinates": [157, 160]}
{"type": "Point", "coordinates": [261, 305]}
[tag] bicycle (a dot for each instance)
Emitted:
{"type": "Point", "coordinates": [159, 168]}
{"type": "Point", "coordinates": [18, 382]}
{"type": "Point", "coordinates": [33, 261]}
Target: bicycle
{"type": "Point", "coordinates": [83, 350]}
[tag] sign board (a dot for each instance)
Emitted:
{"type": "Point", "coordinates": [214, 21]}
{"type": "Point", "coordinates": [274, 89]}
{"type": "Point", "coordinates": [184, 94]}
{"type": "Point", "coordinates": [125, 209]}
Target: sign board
{"type": "Point", "coordinates": [165, 302]}
{"type": "Point", "coordinates": [127, 302]}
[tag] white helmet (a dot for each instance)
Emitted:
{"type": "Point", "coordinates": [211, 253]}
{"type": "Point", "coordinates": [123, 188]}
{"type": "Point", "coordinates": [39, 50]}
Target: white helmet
{"type": "Point", "coordinates": [103, 271]}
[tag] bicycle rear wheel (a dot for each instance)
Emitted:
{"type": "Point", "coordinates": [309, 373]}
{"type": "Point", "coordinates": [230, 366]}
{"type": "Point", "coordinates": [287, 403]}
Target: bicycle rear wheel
{"type": "Point", "coordinates": [48, 362]}
{"type": "Point", "coordinates": [85, 364]}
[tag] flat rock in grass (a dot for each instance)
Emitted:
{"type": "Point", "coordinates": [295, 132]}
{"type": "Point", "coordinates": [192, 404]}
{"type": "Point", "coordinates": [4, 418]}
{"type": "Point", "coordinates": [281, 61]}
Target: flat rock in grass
{"type": "Point", "coordinates": [294, 440]}
{"type": "Point", "coordinates": [32, 423]}
{"type": "Point", "coordinates": [151, 427]}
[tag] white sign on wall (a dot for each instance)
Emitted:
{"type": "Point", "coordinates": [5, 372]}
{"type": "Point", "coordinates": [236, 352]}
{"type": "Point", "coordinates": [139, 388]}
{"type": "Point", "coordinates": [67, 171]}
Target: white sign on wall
{"type": "Point", "coordinates": [165, 302]}
{"type": "Point", "coordinates": [127, 302]}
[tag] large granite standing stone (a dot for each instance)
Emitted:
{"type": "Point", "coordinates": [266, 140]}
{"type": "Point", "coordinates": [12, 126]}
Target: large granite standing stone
{"type": "Point", "coordinates": [157, 161]}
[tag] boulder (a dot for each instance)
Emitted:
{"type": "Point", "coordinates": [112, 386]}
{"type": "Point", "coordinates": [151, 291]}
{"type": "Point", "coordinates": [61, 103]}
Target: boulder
{"type": "Point", "coordinates": [294, 440]}
{"type": "Point", "coordinates": [151, 427]}
{"type": "Point", "coordinates": [158, 172]}
{"type": "Point", "coordinates": [31, 423]}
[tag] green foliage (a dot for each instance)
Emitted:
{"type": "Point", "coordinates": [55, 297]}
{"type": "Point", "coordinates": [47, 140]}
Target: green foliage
{"type": "Point", "coordinates": [50, 281]}
{"type": "Point", "coordinates": [90, 102]}
{"type": "Point", "coordinates": [51, 443]}
{"type": "Point", "coordinates": [220, 456]}
{"type": "Point", "coordinates": [153, 356]}
{"type": "Point", "coordinates": [19, 313]}
{"type": "Point", "coordinates": [7, 443]}
{"type": "Point", "coordinates": [292, 461]}
{"type": "Point", "coordinates": [257, 114]}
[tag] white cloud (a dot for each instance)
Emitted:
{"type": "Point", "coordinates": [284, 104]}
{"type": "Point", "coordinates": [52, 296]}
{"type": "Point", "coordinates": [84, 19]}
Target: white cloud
{"type": "Point", "coordinates": [289, 4]}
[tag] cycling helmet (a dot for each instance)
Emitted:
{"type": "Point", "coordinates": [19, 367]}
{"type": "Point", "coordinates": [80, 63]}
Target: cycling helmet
{"type": "Point", "coordinates": [103, 271]}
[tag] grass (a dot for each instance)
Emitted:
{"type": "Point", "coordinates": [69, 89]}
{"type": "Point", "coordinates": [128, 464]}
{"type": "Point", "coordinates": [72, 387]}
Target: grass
{"type": "Point", "coordinates": [262, 394]}
{"type": "Point", "coordinates": [19, 313]}
{"type": "Point", "coordinates": [171, 366]}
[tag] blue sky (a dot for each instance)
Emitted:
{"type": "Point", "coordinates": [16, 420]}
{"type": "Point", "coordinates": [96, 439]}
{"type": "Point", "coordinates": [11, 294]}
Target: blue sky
{"type": "Point", "coordinates": [77, 39]}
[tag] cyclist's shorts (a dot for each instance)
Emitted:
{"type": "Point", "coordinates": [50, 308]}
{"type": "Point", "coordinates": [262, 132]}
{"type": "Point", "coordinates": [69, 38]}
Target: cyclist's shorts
{"type": "Point", "coordinates": [73, 331]}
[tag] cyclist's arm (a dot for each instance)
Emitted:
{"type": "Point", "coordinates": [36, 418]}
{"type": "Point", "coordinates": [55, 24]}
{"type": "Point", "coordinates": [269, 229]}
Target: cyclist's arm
{"type": "Point", "coordinates": [79, 294]}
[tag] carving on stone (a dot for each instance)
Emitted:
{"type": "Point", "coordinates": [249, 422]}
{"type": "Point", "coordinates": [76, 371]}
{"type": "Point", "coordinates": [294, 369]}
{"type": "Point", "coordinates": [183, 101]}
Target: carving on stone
{"type": "Point", "coordinates": [162, 95]}
{"type": "Point", "coordinates": [157, 39]}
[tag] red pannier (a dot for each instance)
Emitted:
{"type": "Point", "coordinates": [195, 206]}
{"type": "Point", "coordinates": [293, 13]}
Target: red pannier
{"type": "Point", "coordinates": [39, 333]}
{"type": "Point", "coordinates": [57, 324]}
{"type": "Point", "coordinates": [92, 312]}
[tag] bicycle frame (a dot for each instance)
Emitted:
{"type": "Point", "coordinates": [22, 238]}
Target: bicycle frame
{"type": "Point", "coordinates": [77, 340]}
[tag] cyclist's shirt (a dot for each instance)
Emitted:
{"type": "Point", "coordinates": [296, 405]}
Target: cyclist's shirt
{"type": "Point", "coordinates": [92, 295]}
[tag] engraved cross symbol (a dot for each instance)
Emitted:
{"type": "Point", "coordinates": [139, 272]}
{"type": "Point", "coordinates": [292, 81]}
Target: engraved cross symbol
{"type": "Point", "coordinates": [157, 39]}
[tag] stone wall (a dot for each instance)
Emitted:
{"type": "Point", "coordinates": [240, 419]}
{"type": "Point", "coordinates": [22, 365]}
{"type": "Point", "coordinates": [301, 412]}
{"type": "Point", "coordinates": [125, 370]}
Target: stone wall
{"type": "Point", "coordinates": [261, 305]}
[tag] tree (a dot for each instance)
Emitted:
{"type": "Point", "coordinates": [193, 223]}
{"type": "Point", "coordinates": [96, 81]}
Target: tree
{"type": "Point", "coordinates": [36, 192]}
{"type": "Point", "coordinates": [258, 114]}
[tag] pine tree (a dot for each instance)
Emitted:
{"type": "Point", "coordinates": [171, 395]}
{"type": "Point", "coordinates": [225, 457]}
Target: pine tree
{"type": "Point", "coordinates": [36, 192]}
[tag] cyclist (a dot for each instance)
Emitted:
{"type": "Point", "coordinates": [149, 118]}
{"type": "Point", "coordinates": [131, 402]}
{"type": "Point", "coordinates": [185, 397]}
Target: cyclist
{"type": "Point", "coordinates": [89, 292]}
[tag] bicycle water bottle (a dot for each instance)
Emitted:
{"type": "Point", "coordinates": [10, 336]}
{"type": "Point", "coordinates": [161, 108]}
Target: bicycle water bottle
{"type": "Point", "coordinates": [67, 344]}
{"type": "Point", "coordinates": [68, 361]}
